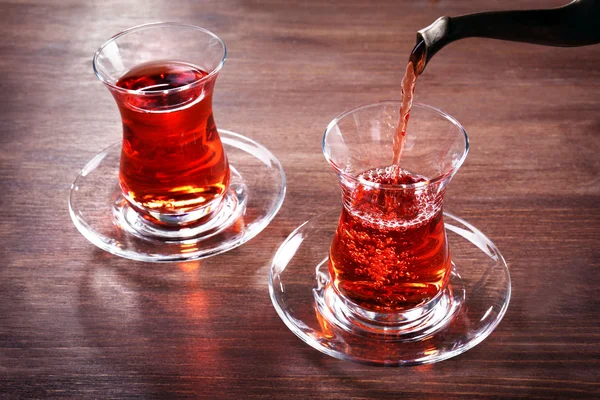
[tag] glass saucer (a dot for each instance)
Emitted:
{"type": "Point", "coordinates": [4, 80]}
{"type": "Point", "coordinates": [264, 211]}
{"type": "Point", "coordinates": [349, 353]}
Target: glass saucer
{"type": "Point", "coordinates": [475, 302]}
{"type": "Point", "coordinates": [102, 215]}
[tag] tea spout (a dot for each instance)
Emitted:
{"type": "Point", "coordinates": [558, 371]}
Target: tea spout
{"type": "Point", "coordinates": [574, 24]}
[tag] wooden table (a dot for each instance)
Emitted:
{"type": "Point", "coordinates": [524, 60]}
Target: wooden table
{"type": "Point", "coordinates": [78, 322]}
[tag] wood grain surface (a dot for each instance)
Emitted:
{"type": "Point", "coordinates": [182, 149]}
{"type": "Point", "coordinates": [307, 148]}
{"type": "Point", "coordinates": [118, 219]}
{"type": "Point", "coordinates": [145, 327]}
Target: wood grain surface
{"type": "Point", "coordinates": [76, 322]}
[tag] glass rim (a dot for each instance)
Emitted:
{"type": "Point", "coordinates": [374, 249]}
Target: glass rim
{"type": "Point", "coordinates": [399, 186]}
{"type": "Point", "coordinates": [211, 75]}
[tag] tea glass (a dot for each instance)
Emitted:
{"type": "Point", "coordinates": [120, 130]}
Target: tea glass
{"type": "Point", "coordinates": [173, 168]}
{"type": "Point", "coordinates": [176, 188]}
{"type": "Point", "coordinates": [393, 279]}
{"type": "Point", "coordinates": [389, 260]}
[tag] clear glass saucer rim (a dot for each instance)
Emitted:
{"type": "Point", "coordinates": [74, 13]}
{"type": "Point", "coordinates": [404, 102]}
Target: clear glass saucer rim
{"type": "Point", "coordinates": [229, 138]}
{"type": "Point", "coordinates": [306, 338]}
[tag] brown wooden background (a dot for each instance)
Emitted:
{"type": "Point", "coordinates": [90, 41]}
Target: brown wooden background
{"type": "Point", "coordinates": [78, 322]}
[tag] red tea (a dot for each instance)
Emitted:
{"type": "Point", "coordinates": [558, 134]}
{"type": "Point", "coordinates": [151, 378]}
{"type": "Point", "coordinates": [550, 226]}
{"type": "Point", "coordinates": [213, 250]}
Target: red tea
{"type": "Point", "coordinates": [415, 66]}
{"type": "Point", "coordinates": [172, 160]}
{"type": "Point", "coordinates": [390, 251]}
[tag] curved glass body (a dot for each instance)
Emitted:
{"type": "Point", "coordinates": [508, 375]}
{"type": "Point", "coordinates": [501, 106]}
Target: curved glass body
{"type": "Point", "coordinates": [390, 252]}
{"type": "Point", "coordinates": [173, 167]}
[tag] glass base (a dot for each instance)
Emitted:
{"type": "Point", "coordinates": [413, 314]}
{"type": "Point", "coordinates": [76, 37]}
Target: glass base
{"type": "Point", "coordinates": [105, 218]}
{"type": "Point", "coordinates": [456, 320]}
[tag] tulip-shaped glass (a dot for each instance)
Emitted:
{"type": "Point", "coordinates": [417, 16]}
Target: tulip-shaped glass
{"type": "Point", "coordinates": [392, 277]}
{"type": "Point", "coordinates": [184, 184]}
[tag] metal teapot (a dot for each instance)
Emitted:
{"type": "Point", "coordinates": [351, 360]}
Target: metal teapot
{"type": "Point", "coordinates": [575, 24]}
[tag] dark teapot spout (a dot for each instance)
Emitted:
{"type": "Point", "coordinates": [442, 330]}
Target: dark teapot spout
{"type": "Point", "coordinates": [575, 24]}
